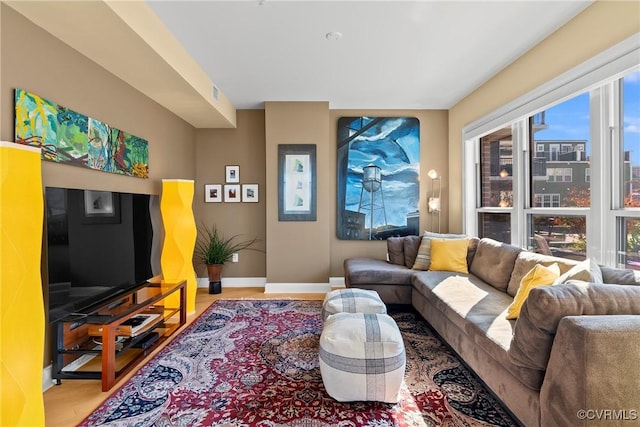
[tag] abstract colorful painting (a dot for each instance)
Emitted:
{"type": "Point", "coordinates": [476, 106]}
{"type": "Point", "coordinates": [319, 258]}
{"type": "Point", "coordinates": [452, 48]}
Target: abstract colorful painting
{"type": "Point", "coordinates": [65, 136]}
{"type": "Point", "coordinates": [378, 177]}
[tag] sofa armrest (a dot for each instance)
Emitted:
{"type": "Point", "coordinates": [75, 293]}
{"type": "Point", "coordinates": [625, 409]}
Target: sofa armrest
{"type": "Point", "coordinates": [546, 306]}
{"type": "Point", "coordinates": [593, 376]}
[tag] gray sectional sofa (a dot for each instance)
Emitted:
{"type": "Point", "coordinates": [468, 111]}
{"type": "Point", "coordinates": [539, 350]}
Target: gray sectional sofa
{"type": "Point", "coordinates": [575, 346]}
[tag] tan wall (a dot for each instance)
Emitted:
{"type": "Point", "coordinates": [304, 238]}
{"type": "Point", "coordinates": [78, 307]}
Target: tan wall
{"type": "Point", "coordinates": [245, 147]}
{"type": "Point", "coordinates": [298, 251]}
{"type": "Point", "coordinates": [35, 61]}
{"type": "Point", "coordinates": [600, 26]}
{"type": "Point", "coordinates": [433, 155]}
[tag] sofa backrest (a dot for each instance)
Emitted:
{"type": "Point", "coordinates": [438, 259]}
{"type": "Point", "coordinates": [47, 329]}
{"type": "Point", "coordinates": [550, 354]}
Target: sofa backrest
{"type": "Point", "coordinates": [527, 260]}
{"type": "Point", "coordinates": [547, 305]}
{"type": "Point", "coordinates": [395, 250]}
{"type": "Point", "coordinates": [494, 261]}
{"type": "Point", "coordinates": [411, 245]}
{"type": "Point", "coordinates": [404, 250]}
{"type": "Point", "coordinates": [620, 276]}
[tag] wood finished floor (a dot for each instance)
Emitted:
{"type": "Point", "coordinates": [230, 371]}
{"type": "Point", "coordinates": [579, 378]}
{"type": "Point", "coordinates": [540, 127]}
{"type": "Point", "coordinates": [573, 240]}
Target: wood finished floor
{"type": "Point", "coordinates": [72, 401]}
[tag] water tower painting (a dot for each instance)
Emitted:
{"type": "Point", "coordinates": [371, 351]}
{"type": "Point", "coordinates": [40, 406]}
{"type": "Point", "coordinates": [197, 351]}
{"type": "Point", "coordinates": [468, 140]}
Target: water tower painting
{"type": "Point", "coordinates": [378, 177]}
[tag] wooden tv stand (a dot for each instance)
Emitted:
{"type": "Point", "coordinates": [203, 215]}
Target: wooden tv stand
{"type": "Point", "coordinates": [103, 343]}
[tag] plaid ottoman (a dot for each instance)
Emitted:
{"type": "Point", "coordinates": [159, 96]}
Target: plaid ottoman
{"type": "Point", "coordinates": [352, 300]}
{"type": "Point", "coordinates": [362, 357]}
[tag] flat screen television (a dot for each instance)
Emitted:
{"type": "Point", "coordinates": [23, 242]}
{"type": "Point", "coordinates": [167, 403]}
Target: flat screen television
{"type": "Point", "coordinates": [99, 244]}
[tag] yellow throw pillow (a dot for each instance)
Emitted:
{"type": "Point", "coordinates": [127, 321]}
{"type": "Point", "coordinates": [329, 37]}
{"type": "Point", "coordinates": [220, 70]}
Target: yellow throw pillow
{"type": "Point", "coordinates": [449, 255]}
{"type": "Point", "coordinates": [539, 275]}
{"type": "Point", "coordinates": [423, 258]}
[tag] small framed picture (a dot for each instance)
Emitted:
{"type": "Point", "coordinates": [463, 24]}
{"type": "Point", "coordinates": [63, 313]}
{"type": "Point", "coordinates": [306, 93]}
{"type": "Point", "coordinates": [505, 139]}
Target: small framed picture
{"type": "Point", "coordinates": [101, 207]}
{"type": "Point", "coordinates": [232, 193]}
{"type": "Point", "coordinates": [232, 174]}
{"type": "Point", "coordinates": [250, 193]}
{"type": "Point", "coordinates": [213, 193]}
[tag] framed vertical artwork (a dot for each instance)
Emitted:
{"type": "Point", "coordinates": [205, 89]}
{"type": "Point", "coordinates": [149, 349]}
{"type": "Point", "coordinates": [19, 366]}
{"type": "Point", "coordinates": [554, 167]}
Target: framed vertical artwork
{"type": "Point", "coordinates": [101, 207]}
{"type": "Point", "coordinates": [297, 198]}
{"type": "Point", "coordinates": [213, 193]}
{"type": "Point", "coordinates": [232, 193]}
{"type": "Point", "coordinates": [378, 191]}
{"type": "Point", "coordinates": [232, 174]}
{"type": "Point", "coordinates": [250, 193]}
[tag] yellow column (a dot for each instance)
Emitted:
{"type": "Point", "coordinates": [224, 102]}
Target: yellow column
{"type": "Point", "coordinates": [22, 319]}
{"type": "Point", "coordinates": [180, 235]}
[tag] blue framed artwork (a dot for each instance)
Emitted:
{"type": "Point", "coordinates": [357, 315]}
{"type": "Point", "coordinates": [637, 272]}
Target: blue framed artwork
{"type": "Point", "coordinates": [378, 177]}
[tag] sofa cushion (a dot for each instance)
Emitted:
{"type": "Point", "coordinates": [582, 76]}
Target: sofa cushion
{"type": "Point", "coordinates": [411, 245]}
{"type": "Point", "coordinates": [539, 275]}
{"type": "Point", "coordinates": [423, 257]}
{"type": "Point", "coordinates": [449, 255]}
{"type": "Point", "coordinates": [620, 276]}
{"type": "Point", "coordinates": [395, 250]}
{"type": "Point", "coordinates": [586, 271]}
{"type": "Point", "coordinates": [368, 270]}
{"type": "Point", "coordinates": [546, 306]}
{"type": "Point", "coordinates": [527, 260]}
{"type": "Point", "coordinates": [479, 310]}
{"type": "Point", "coordinates": [494, 262]}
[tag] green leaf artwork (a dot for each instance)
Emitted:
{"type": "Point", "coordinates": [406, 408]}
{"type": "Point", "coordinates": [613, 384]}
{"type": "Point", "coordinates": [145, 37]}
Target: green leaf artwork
{"type": "Point", "coordinates": [66, 136]}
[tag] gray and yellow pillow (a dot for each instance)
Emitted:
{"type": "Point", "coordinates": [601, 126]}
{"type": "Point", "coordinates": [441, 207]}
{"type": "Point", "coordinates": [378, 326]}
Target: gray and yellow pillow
{"type": "Point", "coordinates": [423, 259]}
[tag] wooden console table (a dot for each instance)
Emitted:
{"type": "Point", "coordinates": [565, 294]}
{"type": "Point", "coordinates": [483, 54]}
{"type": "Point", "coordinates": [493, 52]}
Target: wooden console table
{"type": "Point", "coordinates": [105, 343]}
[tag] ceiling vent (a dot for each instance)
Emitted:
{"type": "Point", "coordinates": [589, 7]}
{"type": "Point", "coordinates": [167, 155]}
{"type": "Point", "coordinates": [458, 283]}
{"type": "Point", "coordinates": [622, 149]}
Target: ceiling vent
{"type": "Point", "coordinates": [216, 93]}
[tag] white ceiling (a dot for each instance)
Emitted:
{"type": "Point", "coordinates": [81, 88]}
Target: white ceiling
{"type": "Point", "coordinates": [392, 55]}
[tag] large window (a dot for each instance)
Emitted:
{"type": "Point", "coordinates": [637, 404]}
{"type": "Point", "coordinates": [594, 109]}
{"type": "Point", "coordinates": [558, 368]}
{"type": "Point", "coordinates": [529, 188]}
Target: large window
{"type": "Point", "coordinates": [496, 184]}
{"type": "Point", "coordinates": [563, 179]}
{"type": "Point", "coordinates": [497, 168]}
{"type": "Point", "coordinates": [630, 166]}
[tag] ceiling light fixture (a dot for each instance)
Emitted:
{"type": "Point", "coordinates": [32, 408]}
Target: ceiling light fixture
{"type": "Point", "coordinates": [333, 35]}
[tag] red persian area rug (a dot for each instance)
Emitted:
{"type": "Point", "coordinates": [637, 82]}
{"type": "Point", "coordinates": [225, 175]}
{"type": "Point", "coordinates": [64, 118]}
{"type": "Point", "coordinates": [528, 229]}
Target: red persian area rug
{"type": "Point", "coordinates": [255, 363]}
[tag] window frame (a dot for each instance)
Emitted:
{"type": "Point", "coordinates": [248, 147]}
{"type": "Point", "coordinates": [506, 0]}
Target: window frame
{"type": "Point", "coordinates": [601, 77]}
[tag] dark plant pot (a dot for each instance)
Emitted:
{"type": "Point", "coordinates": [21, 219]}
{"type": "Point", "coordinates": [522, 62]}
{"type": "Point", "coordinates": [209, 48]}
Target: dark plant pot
{"type": "Point", "coordinates": [215, 278]}
{"type": "Point", "coordinates": [215, 287]}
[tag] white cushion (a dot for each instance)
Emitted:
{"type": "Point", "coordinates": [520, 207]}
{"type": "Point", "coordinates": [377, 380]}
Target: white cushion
{"type": "Point", "coordinates": [362, 357]}
{"type": "Point", "coordinates": [352, 300]}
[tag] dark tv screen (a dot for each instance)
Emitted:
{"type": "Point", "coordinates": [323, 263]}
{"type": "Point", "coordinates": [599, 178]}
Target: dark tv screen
{"type": "Point", "coordinates": [99, 244]}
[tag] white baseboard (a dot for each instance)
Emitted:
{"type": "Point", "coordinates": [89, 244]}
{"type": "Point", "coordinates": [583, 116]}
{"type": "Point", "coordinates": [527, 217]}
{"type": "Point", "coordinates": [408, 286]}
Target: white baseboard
{"type": "Point", "coordinates": [297, 288]}
{"type": "Point", "coordinates": [337, 282]}
{"type": "Point", "coordinates": [47, 378]}
{"type": "Point", "coordinates": [261, 282]}
{"type": "Point", "coordinates": [235, 282]}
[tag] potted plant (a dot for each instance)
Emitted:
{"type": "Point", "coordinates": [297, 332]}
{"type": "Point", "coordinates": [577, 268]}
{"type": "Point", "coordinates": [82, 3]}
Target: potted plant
{"type": "Point", "coordinates": [213, 249]}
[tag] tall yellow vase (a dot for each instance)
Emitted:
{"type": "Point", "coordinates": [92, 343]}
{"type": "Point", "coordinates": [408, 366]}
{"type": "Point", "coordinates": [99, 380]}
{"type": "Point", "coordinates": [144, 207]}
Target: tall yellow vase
{"type": "Point", "coordinates": [22, 319]}
{"type": "Point", "coordinates": [180, 235]}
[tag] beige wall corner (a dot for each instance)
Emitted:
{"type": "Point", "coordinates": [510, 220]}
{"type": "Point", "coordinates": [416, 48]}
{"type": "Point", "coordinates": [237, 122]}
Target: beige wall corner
{"type": "Point", "coordinates": [74, 81]}
{"type": "Point", "coordinates": [128, 40]}
{"type": "Point", "coordinates": [298, 252]}
{"type": "Point", "coordinates": [243, 146]}
{"type": "Point", "coordinates": [600, 26]}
